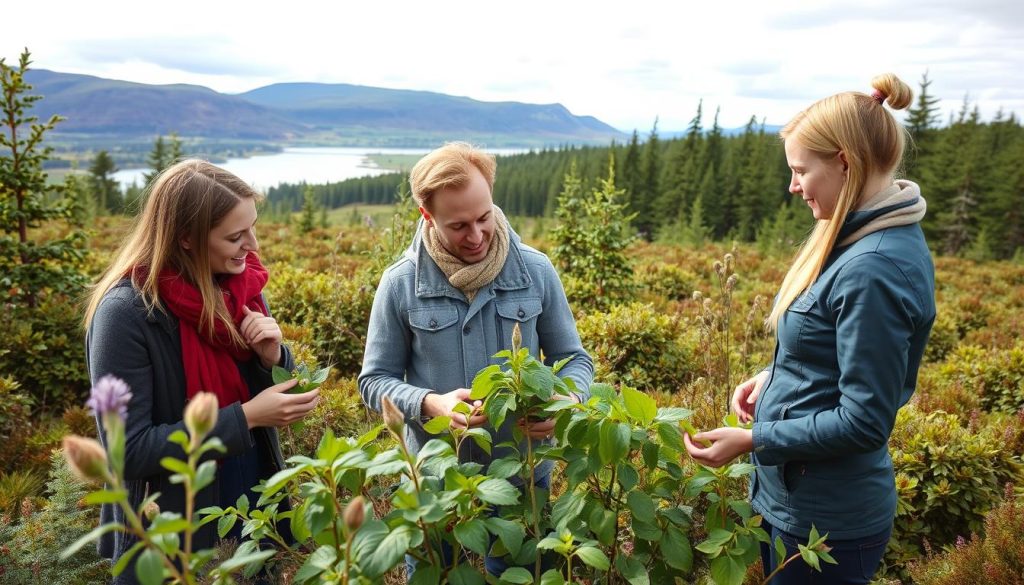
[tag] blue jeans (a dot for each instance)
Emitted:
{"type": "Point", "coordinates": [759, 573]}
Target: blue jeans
{"type": "Point", "coordinates": [858, 560]}
{"type": "Point", "coordinates": [494, 565]}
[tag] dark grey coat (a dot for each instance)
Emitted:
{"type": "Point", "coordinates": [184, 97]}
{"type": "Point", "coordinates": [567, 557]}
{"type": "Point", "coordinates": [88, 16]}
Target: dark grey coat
{"type": "Point", "coordinates": [144, 350]}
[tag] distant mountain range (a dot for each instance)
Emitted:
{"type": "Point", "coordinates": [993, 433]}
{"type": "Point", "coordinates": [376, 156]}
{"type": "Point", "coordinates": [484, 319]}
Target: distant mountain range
{"type": "Point", "coordinates": [303, 113]}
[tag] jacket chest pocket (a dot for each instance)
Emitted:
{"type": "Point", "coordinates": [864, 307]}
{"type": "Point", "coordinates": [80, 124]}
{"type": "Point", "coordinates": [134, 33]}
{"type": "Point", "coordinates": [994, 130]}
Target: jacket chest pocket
{"type": "Point", "coordinates": [521, 311]}
{"type": "Point", "coordinates": [793, 328]}
{"type": "Point", "coordinates": [434, 331]}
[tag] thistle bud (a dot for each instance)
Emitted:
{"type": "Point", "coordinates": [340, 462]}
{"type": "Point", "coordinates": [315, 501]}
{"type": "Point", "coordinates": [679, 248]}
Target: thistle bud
{"type": "Point", "coordinates": [697, 295]}
{"type": "Point", "coordinates": [355, 513]}
{"type": "Point", "coordinates": [718, 267]}
{"type": "Point", "coordinates": [517, 338]}
{"type": "Point", "coordinates": [86, 457]}
{"type": "Point", "coordinates": [731, 283]}
{"type": "Point", "coordinates": [201, 414]}
{"type": "Point", "coordinates": [728, 261]}
{"type": "Point", "coordinates": [393, 418]}
{"type": "Point", "coordinates": [151, 511]}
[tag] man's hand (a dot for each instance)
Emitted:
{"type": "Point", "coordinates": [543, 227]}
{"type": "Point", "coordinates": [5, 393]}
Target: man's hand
{"type": "Point", "coordinates": [435, 405]}
{"type": "Point", "coordinates": [727, 443]}
{"type": "Point", "coordinates": [542, 429]}
{"type": "Point", "coordinates": [263, 335]}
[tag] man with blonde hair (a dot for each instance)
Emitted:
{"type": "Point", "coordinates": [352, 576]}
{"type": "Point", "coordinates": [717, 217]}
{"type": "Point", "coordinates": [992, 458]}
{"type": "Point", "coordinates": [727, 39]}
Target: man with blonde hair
{"type": "Point", "coordinates": [451, 301]}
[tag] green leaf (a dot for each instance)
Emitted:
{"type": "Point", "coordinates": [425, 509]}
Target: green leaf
{"type": "Point", "coordinates": [647, 531]}
{"type": "Point", "coordinates": [641, 505]}
{"type": "Point", "coordinates": [175, 465]}
{"type": "Point", "coordinates": [473, 536]}
{"type": "Point", "coordinates": [567, 508]}
{"type": "Point", "coordinates": [388, 553]}
{"type": "Point", "coordinates": [727, 570]}
{"type": "Point", "coordinates": [780, 550]}
{"type": "Point", "coordinates": [517, 575]}
{"type": "Point", "coordinates": [628, 477]}
{"type": "Point", "coordinates": [438, 425]}
{"type": "Point", "coordinates": [484, 382]}
{"type": "Point", "coordinates": [602, 523]}
{"type": "Point", "coordinates": [614, 441]}
{"type": "Point", "coordinates": [124, 559]}
{"type": "Point", "coordinates": [511, 534]}
{"type": "Point", "coordinates": [431, 448]}
{"type": "Point", "coordinates": [321, 559]}
{"type": "Point", "coordinates": [671, 437]}
{"type": "Point", "coordinates": [552, 577]}
{"type": "Point", "coordinates": [498, 492]}
{"type": "Point", "coordinates": [740, 469]}
{"type": "Point", "coordinates": [149, 568]}
{"type": "Point", "coordinates": [280, 375]}
{"type": "Point", "coordinates": [673, 414]}
{"type": "Point", "coordinates": [106, 497]}
{"type": "Point", "coordinates": [205, 474]}
{"type": "Point", "coordinates": [504, 468]}
{"type": "Point", "coordinates": [632, 570]}
{"type": "Point", "coordinates": [593, 557]}
{"type": "Point", "coordinates": [225, 524]}
{"type": "Point", "coordinates": [426, 575]}
{"type": "Point", "coordinates": [809, 557]}
{"type": "Point", "coordinates": [649, 451]}
{"type": "Point", "coordinates": [279, 480]}
{"type": "Point", "coordinates": [253, 558]}
{"type": "Point", "coordinates": [639, 405]}
{"type": "Point", "coordinates": [675, 547]}
{"type": "Point", "coordinates": [481, 437]}
{"type": "Point", "coordinates": [465, 575]}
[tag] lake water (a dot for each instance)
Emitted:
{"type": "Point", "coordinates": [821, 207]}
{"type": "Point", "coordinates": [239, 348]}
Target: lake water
{"type": "Point", "coordinates": [294, 165]}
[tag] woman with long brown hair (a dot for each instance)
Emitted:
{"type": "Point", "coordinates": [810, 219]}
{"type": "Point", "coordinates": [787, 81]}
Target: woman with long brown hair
{"type": "Point", "coordinates": [181, 311]}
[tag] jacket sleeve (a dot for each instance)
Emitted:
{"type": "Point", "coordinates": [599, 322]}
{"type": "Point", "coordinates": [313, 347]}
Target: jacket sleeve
{"type": "Point", "coordinates": [116, 344]}
{"type": "Point", "coordinates": [558, 336]}
{"type": "Point", "coordinates": [388, 349]}
{"type": "Point", "coordinates": [876, 314]}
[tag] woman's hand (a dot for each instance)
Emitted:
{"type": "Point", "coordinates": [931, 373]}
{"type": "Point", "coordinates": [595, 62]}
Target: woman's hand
{"type": "Point", "coordinates": [274, 407]}
{"type": "Point", "coordinates": [727, 443]}
{"type": "Point", "coordinates": [263, 335]}
{"type": "Point", "coordinates": [745, 397]}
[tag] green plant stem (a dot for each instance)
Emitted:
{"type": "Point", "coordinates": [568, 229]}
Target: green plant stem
{"type": "Point", "coordinates": [779, 568]}
{"type": "Point", "coordinates": [416, 485]}
{"type": "Point", "coordinates": [139, 532]}
{"type": "Point", "coordinates": [338, 513]}
{"type": "Point", "coordinates": [348, 558]}
{"type": "Point", "coordinates": [533, 506]}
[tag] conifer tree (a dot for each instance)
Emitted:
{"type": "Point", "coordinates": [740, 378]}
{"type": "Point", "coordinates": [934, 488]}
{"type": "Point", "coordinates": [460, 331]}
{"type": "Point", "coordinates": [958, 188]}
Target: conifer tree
{"type": "Point", "coordinates": [105, 189]}
{"type": "Point", "coordinates": [645, 218]}
{"type": "Point", "coordinates": [29, 266]}
{"type": "Point", "coordinates": [307, 219]}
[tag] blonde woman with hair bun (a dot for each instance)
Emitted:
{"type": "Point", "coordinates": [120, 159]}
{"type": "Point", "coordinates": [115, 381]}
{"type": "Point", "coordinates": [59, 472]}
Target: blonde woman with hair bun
{"type": "Point", "coordinates": [851, 319]}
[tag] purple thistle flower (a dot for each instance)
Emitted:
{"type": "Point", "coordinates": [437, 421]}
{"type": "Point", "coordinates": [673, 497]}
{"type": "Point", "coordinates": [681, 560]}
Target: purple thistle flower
{"type": "Point", "coordinates": [109, 395]}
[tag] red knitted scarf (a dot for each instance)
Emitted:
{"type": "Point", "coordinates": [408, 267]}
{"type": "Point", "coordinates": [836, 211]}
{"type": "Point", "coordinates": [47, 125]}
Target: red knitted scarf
{"type": "Point", "coordinates": [210, 362]}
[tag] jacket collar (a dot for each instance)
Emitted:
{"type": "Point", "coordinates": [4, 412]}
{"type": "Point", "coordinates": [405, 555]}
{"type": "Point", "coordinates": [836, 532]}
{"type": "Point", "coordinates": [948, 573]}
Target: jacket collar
{"type": "Point", "coordinates": [432, 282]}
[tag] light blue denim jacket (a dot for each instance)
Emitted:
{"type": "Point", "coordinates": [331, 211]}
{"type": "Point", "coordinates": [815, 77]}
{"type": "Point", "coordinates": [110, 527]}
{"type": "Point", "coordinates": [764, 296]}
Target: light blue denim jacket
{"type": "Point", "coordinates": [846, 360]}
{"type": "Point", "coordinates": [425, 336]}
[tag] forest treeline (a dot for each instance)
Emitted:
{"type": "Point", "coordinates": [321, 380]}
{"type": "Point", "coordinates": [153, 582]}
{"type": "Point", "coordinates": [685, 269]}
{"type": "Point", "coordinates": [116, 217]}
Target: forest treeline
{"type": "Point", "coordinates": [971, 172]}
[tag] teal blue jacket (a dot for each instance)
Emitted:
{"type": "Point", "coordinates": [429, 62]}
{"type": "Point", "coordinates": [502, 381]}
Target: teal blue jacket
{"type": "Point", "coordinates": [846, 359]}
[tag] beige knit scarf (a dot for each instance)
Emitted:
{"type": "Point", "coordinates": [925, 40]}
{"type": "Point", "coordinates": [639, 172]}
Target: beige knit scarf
{"type": "Point", "coordinates": [900, 191]}
{"type": "Point", "coordinates": [470, 278]}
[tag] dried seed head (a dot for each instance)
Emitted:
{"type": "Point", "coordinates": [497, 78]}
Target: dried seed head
{"type": "Point", "coordinates": [393, 418]}
{"type": "Point", "coordinates": [697, 295]}
{"type": "Point", "coordinates": [731, 283]}
{"type": "Point", "coordinates": [517, 338]}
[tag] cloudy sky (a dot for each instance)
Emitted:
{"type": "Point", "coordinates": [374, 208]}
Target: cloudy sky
{"type": "Point", "coordinates": [624, 62]}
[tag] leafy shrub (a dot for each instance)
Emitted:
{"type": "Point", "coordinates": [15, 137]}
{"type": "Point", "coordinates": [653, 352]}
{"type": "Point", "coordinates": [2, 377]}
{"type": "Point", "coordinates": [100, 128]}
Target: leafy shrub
{"type": "Point", "coordinates": [340, 410]}
{"type": "Point", "coordinates": [666, 281]}
{"type": "Point", "coordinates": [944, 337]}
{"type": "Point", "coordinates": [637, 346]}
{"type": "Point", "coordinates": [996, 376]}
{"type": "Point", "coordinates": [42, 348]}
{"type": "Point", "coordinates": [948, 477]}
{"type": "Point", "coordinates": [30, 553]}
{"type": "Point", "coordinates": [17, 487]}
{"type": "Point", "coordinates": [334, 309]}
{"type": "Point", "coordinates": [997, 558]}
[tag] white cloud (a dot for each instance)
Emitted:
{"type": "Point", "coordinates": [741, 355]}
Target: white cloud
{"type": "Point", "coordinates": [623, 63]}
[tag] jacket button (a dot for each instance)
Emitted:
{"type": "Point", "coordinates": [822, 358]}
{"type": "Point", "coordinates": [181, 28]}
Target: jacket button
{"type": "Point", "coordinates": [433, 324]}
{"type": "Point", "coordinates": [522, 313]}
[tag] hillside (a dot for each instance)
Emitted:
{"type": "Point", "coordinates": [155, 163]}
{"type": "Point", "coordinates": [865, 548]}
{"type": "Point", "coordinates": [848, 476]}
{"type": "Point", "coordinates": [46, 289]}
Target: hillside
{"type": "Point", "coordinates": [303, 113]}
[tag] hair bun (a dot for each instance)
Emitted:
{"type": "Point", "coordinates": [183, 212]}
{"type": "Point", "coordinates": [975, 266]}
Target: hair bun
{"type": "Point", "coordinates": [889, 88]}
